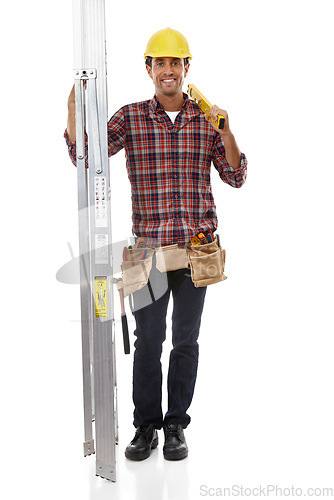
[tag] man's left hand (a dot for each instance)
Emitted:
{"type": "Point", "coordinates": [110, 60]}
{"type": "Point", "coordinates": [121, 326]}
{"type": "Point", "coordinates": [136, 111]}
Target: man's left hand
{"type": "Point", "coordinates": [232, 152]}
{"type": "Point", "coordinates": [214, 112]}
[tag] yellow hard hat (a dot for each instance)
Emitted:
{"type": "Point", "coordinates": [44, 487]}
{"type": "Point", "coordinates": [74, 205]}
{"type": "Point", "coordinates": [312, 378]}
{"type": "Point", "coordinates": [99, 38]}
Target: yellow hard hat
{"type": "Point", "coordinates": [168, 43]}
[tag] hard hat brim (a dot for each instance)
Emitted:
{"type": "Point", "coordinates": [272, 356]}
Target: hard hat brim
{"type": "Point", "coordinates": [177, 56]}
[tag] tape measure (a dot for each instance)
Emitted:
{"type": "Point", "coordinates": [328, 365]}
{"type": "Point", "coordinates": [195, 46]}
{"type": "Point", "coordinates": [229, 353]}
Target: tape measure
{"type": "Point", "coordinates": [202, 238]}
{"type": "Point", "coordinates": [204, 104]}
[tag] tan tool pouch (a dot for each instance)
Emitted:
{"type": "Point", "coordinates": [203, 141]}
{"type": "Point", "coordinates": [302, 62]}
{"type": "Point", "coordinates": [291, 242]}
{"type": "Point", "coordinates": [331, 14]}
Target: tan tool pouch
{"type": "Point", "coordinates": [135, 272]}
{"type": "Point", "coordinates": [207, 263]}
{"type": "Point", "coordinates": [171, 258]}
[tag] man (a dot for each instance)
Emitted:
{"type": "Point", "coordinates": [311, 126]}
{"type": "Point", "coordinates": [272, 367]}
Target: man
{"type": "Point", "coordinates": [169, 145]}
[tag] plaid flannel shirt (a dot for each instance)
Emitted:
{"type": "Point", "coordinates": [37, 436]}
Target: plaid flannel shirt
{"type": "Point", "coordinates": [169, 169]}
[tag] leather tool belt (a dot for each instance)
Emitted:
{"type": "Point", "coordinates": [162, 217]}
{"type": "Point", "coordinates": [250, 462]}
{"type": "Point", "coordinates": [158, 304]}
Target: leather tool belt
{"type": "Point", "coordinates": [206, 263]}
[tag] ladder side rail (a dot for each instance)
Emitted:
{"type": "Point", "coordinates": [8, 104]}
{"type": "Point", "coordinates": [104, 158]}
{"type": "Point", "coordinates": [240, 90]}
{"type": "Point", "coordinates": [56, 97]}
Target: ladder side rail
{"type": "Point", "coordinates": [84, 252]}
{"type": "Point", "coordinates": [115, 384]}
{"type": "Point", "coordinates": [101, 268]}
{"type": "Point", "coordinates": [79, 9]}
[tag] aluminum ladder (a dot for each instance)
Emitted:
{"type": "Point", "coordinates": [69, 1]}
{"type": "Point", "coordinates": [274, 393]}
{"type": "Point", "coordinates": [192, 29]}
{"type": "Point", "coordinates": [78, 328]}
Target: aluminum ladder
{"type": "Point", "coordinates": [96, 283]}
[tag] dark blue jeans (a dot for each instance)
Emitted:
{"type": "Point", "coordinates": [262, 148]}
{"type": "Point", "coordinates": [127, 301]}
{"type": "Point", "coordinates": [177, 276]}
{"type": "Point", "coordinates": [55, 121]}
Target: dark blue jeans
{"type": "Point", "coordinates": [188, 302]}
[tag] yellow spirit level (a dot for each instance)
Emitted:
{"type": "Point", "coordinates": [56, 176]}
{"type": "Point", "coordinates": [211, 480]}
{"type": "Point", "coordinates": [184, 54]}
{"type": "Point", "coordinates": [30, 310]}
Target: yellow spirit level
{"type": "Point", "coordinates": [205, 105]}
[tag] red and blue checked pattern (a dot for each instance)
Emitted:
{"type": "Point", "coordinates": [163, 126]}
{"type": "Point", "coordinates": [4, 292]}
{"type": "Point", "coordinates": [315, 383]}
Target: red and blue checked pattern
{"type": "Point", "coordinates": [169, 169]}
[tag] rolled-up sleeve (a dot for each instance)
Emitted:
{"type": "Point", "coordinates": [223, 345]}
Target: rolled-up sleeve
{"type": "Point", "coordinates": [235, 177]}
{"type": "Point", "coordinates": [116, 138]}
{"type": "Point", "coordinates": [72, 148]}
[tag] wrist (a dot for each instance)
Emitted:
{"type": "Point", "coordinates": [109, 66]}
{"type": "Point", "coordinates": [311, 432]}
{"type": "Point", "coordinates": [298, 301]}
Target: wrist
{"type": "Point", "coordinates": [226, 133]}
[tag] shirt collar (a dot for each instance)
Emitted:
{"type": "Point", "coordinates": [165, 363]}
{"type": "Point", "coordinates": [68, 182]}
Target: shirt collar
{"type": "Point", "coordinates": [189, 106]}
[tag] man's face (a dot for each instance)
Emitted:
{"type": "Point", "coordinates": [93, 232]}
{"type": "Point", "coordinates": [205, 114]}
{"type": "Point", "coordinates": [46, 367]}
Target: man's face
{"type": "Point", "coordinates": [168, 75]}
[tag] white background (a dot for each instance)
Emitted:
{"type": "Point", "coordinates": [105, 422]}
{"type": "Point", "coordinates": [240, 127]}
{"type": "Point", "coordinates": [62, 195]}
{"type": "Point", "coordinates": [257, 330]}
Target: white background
{"type": "Point", "coordinates": [263, 406]}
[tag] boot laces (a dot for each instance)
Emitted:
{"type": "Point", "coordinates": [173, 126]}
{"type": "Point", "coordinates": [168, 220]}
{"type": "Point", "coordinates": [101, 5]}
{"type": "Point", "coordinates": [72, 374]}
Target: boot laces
{"type": "Point", "coordinates": [172, 429]}
{"type": "Point", "coordinates": [142, 430]}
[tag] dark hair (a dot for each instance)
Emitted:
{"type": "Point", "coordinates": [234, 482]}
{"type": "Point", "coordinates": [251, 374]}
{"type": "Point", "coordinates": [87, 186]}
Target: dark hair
{"type": "Point", "coordinates": [148, 61]}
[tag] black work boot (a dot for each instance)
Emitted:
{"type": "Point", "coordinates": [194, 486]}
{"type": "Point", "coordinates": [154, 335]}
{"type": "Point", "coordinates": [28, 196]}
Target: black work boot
{"type": "Point", "coordinates": [145, 440]}
{"type": "Point", "coordinates": [175, 447]}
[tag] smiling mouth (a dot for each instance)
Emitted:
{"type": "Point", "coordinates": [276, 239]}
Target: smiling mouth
{"type": "Point", "coordinates": [168, 80]}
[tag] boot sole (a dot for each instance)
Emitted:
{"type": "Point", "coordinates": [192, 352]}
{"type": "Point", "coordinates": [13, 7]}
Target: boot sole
{"type": "Point", "coordinates": [142, 456]}
{"type": "Point", "coordinates": [175, 455]}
